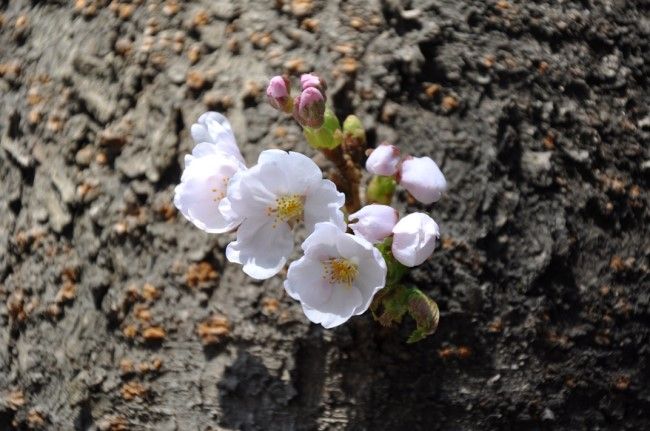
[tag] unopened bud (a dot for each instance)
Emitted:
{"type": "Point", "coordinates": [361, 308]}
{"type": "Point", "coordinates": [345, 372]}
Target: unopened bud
{"type": "Point", "coordinates": [423, 179]}
{"type": "Point", "coordinates": [309, 108]}
{"type": "Point", "coordinates": [278, 93]}
{"type": "Point", "coordinates": [383, 160]}
{"type": "Point", "coordinates": [374, 222]}
{"type": "Point", "coordinates": [312, 80]}
{"type": "Point", "coordinates": [414, 239]}
{"type": "Point", "coordinates": [354, 133]}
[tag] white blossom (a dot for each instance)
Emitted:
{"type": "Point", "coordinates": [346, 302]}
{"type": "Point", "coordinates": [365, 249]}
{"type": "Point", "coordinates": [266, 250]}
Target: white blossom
{"type": "Point", "coordinates": [422, 177]}
{"type": "Point", "coordinates": [374, 222]}
{"type": "Point", "coordinates": [280, 191]}
{"type": "Point", "coordinates": [337, 277]}
{"type": "Point", "coordinates": [214, 128]}
{"type": "Point", "coordinates": [204, 185]}
{"type": "Point", "coordinates": [414, 239]}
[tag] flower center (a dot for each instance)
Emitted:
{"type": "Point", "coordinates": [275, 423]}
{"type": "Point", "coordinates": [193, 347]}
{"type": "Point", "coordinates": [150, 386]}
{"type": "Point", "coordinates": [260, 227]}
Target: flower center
{"type": "Point", "coordinates": [339, 270]}
{"type": "Point", "coordinates": [290, 207]}
{"type": "Point", "coordinates": [219, 193]}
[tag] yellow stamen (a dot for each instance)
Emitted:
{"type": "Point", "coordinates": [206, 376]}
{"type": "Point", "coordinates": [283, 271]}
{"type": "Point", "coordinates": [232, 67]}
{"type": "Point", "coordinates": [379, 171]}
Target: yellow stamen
{"type": "Point", "coordinates": [339, 270]}
{"type": "Point", "coordinates": [290, 207]}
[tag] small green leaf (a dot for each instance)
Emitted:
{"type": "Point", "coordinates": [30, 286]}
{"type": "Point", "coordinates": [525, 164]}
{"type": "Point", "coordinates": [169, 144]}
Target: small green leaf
{"type": "Point", "coordinates": [393, 304]}
{"type": "Point", "coordinates": [425, 312]}
{"type": "Point", "coordinates": [393, 301]}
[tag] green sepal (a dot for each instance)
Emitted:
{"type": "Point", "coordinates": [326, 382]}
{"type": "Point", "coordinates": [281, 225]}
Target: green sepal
{"type": "Point", "coordinates": [395, 269]}
{"type": "Point", "coordinates": [328, 136]}
{"type": "Point", "coordinates": [380, 190]}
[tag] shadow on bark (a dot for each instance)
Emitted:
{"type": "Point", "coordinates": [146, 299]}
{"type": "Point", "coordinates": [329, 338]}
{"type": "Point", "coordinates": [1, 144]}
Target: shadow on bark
{"type": "Point", "coordinates": [253, 398]}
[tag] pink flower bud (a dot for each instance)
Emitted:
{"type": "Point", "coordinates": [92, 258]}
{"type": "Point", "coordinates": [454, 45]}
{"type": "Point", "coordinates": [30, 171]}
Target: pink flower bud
{"type": "Point", "coordinates": [374, 222]}
{"type": "Point", "coordinates": [312, 80]}
{"type": "Point", "coordinates": [414, 239]}
{"type": "Point", "coordinates": [423, 179]}
{"type": "Point", "coordinates": [278, 93]}
{"type": "Point", "coordinates": [383, 160]}
{"type": "Point", "coordinates": [309, 108]}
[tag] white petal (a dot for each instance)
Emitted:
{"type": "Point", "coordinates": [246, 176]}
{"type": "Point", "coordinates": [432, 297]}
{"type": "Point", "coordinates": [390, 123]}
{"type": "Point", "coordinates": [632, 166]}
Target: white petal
{"type": "Point", "coordinates": [323, 203]}
{"type": "Point", "coordinates": [414, 239]}
{"type": "Point", "coordinates": [352, 247]}
{"type": "Point", "coordinates": [371, 266]}
{"type": "Point", "coordinates": [306, 283]}
{"type": "Point", "coordinates": [188, 159]}
{"type": "Point", "coordinates": [199, 209]}
{"type": "Point", "coordinates": [225, 208]}
{"type": "Point", "coordinates": [200, 133]}
{"type": "Point", "coordinates": [204, 149]}
{"type": "Point", "coordinates": [215, 129]}
{"type": "Point", "coordinates": [272, 155]}
{"type": "Point", "coordinates": [203, 185]}
{"type": "Point", "coordinates": [340, 307]}
{"type": "Point", "coordinates": [218, 133]}
{"type": "Point", "coordinates": [302, 172]}
{"type": "Point", "coordinates": [261, 247]}
{"type": "Point", "coordinates": [322, 252]}
{"type": "Point", "coordinates": [371, 279]}
{"type": "Point", "coordinates": [248, 194]}
{"type": "Point", "coordinates": [215, 116]}
{"type": "Point", "coordinates": [325, 233]}
{"type": "Point", "coordinates": [422, 177]}
{"type": "Point", "coordinates": [276, 177]}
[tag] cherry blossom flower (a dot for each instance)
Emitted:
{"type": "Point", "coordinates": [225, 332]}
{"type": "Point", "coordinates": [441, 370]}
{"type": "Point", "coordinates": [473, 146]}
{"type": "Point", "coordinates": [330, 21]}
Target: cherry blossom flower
{"type": "Point", "coordinates": [383, 160]}
{"type": "Point", "coordinates": [374, 222]}
{"type": "Point", "coordinates": [337, 277]}
{"type": "Point", "coordinates": [414, 239]}
{"type": "Point", "coordinates": [422, 177]}
{"type": "Point", "coordinates": [203, 186]}
{"type": "Point", "coordinates": [214, 128]}
{"type": "Point", "coordinates": [280, 191]}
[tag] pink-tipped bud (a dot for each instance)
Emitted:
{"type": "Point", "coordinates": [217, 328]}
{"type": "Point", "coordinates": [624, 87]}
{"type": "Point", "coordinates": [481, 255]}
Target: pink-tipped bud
{"type": "Point", "coordinates": [414, 239]}
{"type": "Point", "coordinates": [309, 108]}
{"type": "Point", "coordinates": [423, 179]}
{"type": "Point", "coordinates": [374, 222]}
{"type": "Point", "coordinates": [383, 160]}
{"type": "Point", "coordinates": [312, 80]}
{"type": "Point", "coordinates": [278, 93]}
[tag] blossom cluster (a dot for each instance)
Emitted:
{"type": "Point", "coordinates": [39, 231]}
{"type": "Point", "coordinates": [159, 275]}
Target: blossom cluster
{"type": "Point", "coordinates": [346, 259]}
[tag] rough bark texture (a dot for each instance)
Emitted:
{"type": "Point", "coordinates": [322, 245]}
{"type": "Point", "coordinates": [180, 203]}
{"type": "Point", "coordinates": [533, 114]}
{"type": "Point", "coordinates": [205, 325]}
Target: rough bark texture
{"type": "Point", "coordinates": [537, 113]}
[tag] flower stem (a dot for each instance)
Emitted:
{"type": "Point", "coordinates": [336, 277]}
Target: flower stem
{"type": "Point", "coordinates": [348, 177]}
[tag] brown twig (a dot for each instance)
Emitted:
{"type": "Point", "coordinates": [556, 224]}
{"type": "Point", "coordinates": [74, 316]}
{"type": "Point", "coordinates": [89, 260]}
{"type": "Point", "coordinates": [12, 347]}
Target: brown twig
{"type": "Point", "coordinates": [348, 177]}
